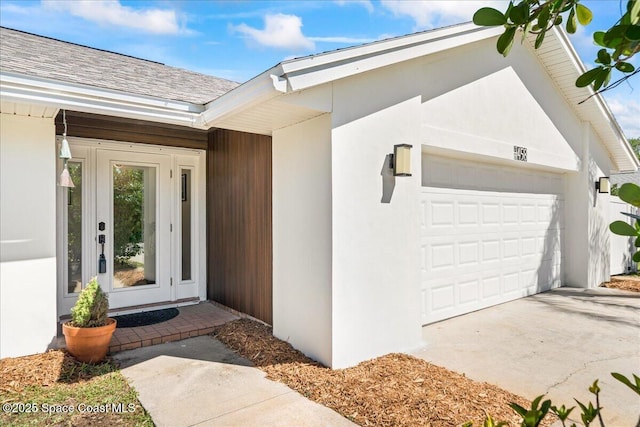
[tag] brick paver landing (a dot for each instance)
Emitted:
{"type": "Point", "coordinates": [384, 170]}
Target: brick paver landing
{"type": "Point", "coordinates": [193, 321]}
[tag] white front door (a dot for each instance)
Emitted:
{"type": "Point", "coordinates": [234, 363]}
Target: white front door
{"type": "Point", "coordinates": [147, 203]}
{"type": "Point", "coordinates": [133, 221]}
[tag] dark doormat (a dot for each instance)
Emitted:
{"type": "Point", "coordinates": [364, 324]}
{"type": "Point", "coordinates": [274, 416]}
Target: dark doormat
{"type": "Point", "coordinates": [147, 318]}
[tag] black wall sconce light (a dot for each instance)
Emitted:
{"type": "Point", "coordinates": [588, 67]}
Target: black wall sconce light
{"type": "Point", "coordinates": [401, 160]}
{"type": "Point", "coordinates": [603, 185]}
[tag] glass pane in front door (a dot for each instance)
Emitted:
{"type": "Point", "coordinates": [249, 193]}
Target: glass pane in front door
{"type": "Point", "coordinates": [134, 226]}
{"type": "Point", "coordinates": [74, 229]}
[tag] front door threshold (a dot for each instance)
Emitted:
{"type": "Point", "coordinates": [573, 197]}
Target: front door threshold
{"type": "Point", "coordinates": [144, 307]}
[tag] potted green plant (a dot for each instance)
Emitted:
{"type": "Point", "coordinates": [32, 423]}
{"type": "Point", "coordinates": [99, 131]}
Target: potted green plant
{"type": "Point", "coordinates": [89, 331]}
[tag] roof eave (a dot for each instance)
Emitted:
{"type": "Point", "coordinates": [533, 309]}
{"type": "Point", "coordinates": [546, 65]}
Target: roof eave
{"type": "Point", "coordinates": [631, 162]}
{"type": "Point", "coordinates": [306, 72]}
{"type": "Point", "coordinates": [261, 88]}
{"type": "Point", "coordinates": [33, 90]}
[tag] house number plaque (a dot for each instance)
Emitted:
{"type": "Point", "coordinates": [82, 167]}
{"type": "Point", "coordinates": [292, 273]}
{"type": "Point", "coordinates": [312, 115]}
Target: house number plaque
{"type": "Point", "coordinates": [519, 153]}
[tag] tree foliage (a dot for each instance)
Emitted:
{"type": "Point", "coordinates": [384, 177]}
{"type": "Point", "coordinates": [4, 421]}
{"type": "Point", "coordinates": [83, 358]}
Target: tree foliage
{"type": "Point", "coordinates": [618, 43]}
{"type": "Point", "coordinates": [128, 212]}
{"type": "Point", "coordinates": [629, 193]}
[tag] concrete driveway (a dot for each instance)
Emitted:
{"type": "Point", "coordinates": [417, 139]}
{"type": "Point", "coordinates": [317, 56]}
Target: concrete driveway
{"type": "Point", "coordinates": [556, 343]}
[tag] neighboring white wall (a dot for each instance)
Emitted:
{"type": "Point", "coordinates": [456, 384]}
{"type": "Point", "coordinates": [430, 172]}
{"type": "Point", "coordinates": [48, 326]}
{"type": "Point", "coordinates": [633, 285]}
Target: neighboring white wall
{"type": "Point", "coordinates": [622, 248]}
{"type": "Point", "coordinates": [27, 235]}
{"type": "Point", "coordinates": [587, 241]}
{"type": "Point", "coordinates": [302, 237]}
{"type": "Point", "coordinates": [576, 239]}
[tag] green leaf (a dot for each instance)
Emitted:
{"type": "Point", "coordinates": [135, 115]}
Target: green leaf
{"type": "Point", "coordinates": [489, 17]}
{"type": "Point", "coordinates": [624, 380]}
{"type": "Point", "coordinates": [544, 16]}
{"type": "Point", "coordinates": [636, 257]}
{"type": "Point", "coordinates": [625, 67]}
{"type": "Point", "coordinates": [519, 13]}
{"type": "Point", "coordinates": [505, 41]}
{"type": "Point", "coordinates": [572, 23]}
{"type": "Point", "coordinates": [633, 7]}
{"type": "Point", "coordinates": [536, 401]}
{"type": "Point", "coordinates": [587, 78]}
{"type": "Point", "coordinates": [633, 32]}
{"type": "Point", "coordinates": [584, 14]}
{"type": "Point", "coordinates": [614, 33]}
{"type": "Point", "coordinates": [630, 193]}
{"type": "Point", "coordinates": [539, 40]}
{"type": "Point", "coordinates": [622, 228]}
{"type": "Point", "coordinates": [519, 409]}
{"type": "Point", "coordinates": [598, 38]}
{"type": "Point", "coordinates": [558, 20]}
{"type": "Point", "coordinates": [604, 57]}
{"type": "Point", "coordinates": [602, 78]}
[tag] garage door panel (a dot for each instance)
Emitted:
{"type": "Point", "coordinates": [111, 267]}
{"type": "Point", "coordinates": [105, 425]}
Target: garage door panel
{"type": "Point", "coordinates": [481, 248]}
{"type": "Point", "coordinates": [455, 254]}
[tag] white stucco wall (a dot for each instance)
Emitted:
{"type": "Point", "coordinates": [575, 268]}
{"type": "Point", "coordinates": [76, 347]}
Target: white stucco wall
{"type": "Point", "coordinates": [376, 282]}
{"type": "Point", "coordinates": [475, 105]}
{"type": "Point", "coordinates": [599, 247]}
{"type": "Point", "coordinates": [27, 235]}
{"type": "Point", "coordinates": [302, 227]}
{"type": "Point", "coordinates": [456, 103]}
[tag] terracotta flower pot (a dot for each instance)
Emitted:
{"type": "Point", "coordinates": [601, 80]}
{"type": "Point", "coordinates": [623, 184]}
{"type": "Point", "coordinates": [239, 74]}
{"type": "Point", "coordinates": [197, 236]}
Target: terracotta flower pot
{"type": "Point", "coordinates": [89, 345]}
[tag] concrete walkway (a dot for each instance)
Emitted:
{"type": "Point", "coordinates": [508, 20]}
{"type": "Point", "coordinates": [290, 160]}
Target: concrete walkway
{"type": "Point", "coordinates": [556, 343]}
{"type": "Point", "coordinates": [199, 382]}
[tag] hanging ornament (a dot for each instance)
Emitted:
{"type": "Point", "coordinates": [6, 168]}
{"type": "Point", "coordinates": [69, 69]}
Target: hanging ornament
{"type": "Point", "coordinates": [65, 177]}
{"type": "Point", "coordinates": [65, 150]}
{"type": "Point", "coordinates": [65, 155]}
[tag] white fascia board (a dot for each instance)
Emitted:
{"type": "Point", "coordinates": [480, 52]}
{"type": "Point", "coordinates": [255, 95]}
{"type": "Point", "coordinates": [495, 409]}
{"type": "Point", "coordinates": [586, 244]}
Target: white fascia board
{"type": "Point", "coordinates": [613, 126]}
{"type": "Point", "coordinates": [303, 73]}
{"type": "Point", "coordinates": [261, 88]}
{"type": "Point", "coordinates": [34, 90]}
{"type": "Point", "coordinates": [314, 70]}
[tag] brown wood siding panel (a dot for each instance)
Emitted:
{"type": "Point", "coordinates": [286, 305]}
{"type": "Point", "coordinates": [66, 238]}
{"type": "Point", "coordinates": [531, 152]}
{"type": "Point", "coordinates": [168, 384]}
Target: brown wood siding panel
{"type": "Point", "coordinates": [239, 232]}
{"type": "Point", "coordinates": [85, 125]}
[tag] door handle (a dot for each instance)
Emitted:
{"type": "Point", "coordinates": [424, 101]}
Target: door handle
{"type": "Point", "coordinates": [102, 261]}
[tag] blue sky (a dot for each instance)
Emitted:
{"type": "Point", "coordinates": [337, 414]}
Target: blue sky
{"type": "Point", "coordinates": [240, 39]}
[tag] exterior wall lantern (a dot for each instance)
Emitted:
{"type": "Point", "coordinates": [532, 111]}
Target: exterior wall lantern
{"type": "Point", "coordinates": [401, 160]}
{"type": "Point", "coordinates": [65, 155]}
{"type": "Point", "coordinates": [603, 185]}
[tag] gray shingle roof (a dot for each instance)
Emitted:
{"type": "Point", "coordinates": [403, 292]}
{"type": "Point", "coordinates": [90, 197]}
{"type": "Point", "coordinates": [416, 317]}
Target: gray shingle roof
{"type": "Point", "coordinates": [37, 56]}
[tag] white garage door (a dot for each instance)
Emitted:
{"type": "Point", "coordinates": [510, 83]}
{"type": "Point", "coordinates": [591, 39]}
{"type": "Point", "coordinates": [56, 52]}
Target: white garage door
{"type": "Point", "coordinates": [490, 234]}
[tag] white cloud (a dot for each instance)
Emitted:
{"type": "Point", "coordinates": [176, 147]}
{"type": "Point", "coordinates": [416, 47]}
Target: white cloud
{"type": "Point", "coordinates": [364, 3]}
{"type": "Point", "coordinates": [280, 31]}
{"type": "Point", "coordinates": [429, 14]}
{"type": "Point", "coordinates": [111, 12]}
{"type": "Point", "coordinates": [626, 111]}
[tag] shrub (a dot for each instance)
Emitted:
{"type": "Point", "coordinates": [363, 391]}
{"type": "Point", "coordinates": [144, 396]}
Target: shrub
{"type": "Point", "coordinates": [91, 309]}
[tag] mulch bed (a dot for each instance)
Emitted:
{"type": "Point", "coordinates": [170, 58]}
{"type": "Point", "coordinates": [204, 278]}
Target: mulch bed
{"type": "Point", "coordinates": [392, 390]}
{"type": "Point", "coordinates": [40, 369]}
{"type": "Point", "coordinates": [625, 285]}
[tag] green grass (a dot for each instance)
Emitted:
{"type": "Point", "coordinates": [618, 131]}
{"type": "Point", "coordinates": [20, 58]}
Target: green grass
{"type": "Point", "coordinates": [81, 386]}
